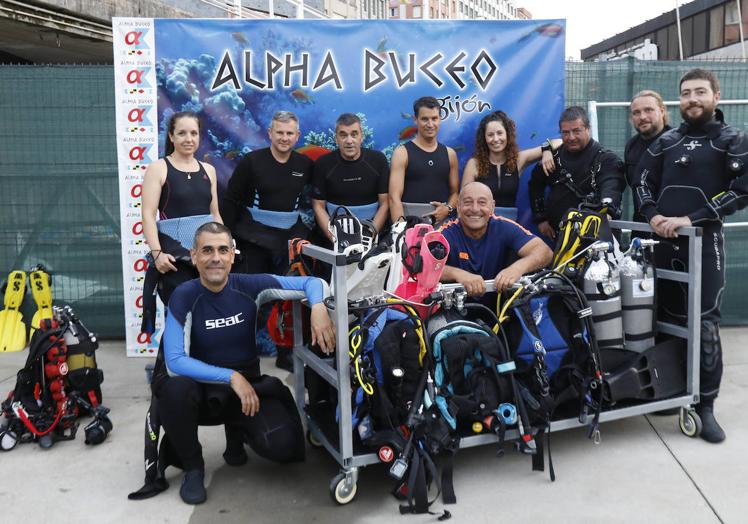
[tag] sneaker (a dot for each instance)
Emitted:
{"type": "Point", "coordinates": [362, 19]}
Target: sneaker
{"type": "Point", "coordinates": [193, 487]}
{"type": "Point", "coordinates": [710, 429]}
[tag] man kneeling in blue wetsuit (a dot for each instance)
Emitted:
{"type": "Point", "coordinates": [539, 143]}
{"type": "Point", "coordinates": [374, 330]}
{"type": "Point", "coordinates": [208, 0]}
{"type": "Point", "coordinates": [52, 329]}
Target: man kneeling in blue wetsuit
{"type": "Point", "coordinates": [480, 241]}
{"type": "Point", "coordinates": [213, 366]}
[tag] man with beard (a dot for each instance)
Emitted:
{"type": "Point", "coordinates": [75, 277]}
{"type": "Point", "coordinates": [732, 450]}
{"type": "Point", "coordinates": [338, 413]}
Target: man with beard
{"type": "Point", "coordinates": [583, 167]}
{"type": "Point", "coordinates": [696, 175]}
{"type": "Point", "coordinates": [650, 119]}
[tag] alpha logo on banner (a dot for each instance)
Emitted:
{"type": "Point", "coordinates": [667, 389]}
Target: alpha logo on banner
{"type": "Point", "coordinates": [236, 73]}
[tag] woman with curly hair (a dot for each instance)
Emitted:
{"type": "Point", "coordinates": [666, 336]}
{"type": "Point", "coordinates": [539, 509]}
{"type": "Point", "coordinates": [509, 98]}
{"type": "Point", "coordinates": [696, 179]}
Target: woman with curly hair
{"type": "Point", "coordinates": [498, 162]}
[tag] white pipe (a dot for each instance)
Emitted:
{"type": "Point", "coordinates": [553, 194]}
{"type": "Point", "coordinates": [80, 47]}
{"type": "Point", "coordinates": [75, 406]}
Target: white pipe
{"type": "Point", "coordinates": [740, 25]}
{"type": "Point", "coordinates": [271, 9]}
{"type": "Point", "coordinates": [592, 115]}
{"type": "Point", "coordinates": [680, 37]}
{"type": "Point", "coordinates": [737, 101]}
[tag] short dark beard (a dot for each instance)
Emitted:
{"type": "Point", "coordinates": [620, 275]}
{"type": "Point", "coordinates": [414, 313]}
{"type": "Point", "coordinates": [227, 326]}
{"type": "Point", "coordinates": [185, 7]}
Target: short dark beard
{"type": "Point", "coordinates": [705, 117]}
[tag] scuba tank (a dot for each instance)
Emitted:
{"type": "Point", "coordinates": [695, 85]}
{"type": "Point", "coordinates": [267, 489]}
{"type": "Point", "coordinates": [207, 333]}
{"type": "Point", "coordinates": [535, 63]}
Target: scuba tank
{"type": "Point", "coordinates": [602, 287]}
{"type": "Point", "coordinates": [638, 295]}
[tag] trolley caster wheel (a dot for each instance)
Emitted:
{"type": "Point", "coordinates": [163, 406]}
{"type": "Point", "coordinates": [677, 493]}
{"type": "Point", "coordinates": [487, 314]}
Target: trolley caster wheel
{"type": "Point", "coordinates": [690, 423]}
{"type": "Point", "coordinates": [341, 492]}
{"type": "Point", "coordinates": [8, 440]}
{"type": "Point", "coordinates": [313, 440]}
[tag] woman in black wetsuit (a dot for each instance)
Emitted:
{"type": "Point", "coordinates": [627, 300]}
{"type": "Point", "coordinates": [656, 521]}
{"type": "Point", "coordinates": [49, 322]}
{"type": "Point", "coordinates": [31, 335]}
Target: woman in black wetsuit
{"type": "Point", "coordinates": [177, 186]}
{"type": "Point", "coordinates": [498, 162]}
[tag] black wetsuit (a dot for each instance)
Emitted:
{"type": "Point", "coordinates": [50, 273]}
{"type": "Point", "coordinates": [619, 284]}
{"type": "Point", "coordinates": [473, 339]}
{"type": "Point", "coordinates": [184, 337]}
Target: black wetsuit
{"type": "Point", "coordinates": [351, 182]}
{"type": "Point", "coordinates": [183, 195]}
{"type": "Point", "coordinates": [503, 184]}
{"type": "Point", "coordinates": [260, 181]}
{"type": "Point", "coordinates": [634, 150]}
{"type": "Point", "coordinates": [593, 170]}
{"type": "Point", "coordinates": [427, 175]}
{"type": "Point", "coordinates": [699, 172]}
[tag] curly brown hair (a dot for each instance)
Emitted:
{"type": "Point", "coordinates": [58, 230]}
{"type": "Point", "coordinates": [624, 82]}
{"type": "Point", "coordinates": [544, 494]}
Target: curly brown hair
{"type": "Point", "coordinates": [511, 151]}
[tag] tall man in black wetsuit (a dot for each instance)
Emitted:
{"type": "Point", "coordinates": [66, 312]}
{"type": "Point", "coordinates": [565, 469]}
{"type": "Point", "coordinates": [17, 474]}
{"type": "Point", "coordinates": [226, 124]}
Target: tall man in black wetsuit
{"type": "Point", "coordinates": [696, 175]}
{"type": "Point", "coordinates": [423, 170]}
{"type": "Point", "coordinates": [261, 203]}
{"type": "Point", "coordinates": [352, 176]}
{"type": "Point", "coordinates": [583, 166]}
{"type": "Point", "coordinates": [650, 119]}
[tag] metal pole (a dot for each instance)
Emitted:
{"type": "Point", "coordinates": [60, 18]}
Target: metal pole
{"type": "Point", "coordinates": [425, 6]}
{"type": "Point", "coordinates": [271, 9]}
{"type": "Point", "coordinates": [592, 115]}
{"type": "Point", "coordinates": [300, 9]}
{"type": "Point", "coordinates": [680, 37]}
{"type": "Point", "coordinates": [740, 25]}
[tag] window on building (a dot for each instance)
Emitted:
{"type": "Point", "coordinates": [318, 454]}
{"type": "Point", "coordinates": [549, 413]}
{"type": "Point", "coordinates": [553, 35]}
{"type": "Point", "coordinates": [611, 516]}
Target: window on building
{"type": "Point", "coordinates": [417, 11]}
{"type": "Point", "coordinates": [716, 27]}
{"type": "Point", "coordinates": [700, 43]}
{"type": "Point", "coordinates": [393, 12]}
{"type": "Point", "coordinates": [732, 29]}
{"type": "Point", "coordinates": [744, 12]}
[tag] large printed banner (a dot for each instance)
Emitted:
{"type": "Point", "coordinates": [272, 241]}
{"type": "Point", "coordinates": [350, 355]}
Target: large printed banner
{"type": "Point", "coordinates": [236, 73]}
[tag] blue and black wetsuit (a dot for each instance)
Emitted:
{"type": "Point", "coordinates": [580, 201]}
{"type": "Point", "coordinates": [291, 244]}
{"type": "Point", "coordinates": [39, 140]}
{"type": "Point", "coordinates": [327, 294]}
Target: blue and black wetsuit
{"type": "Point", "coordinates": [702, 173]}
{"type": "Point", "coordinates": [210, 335]}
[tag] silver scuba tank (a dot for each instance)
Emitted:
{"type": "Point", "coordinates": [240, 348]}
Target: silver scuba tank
{"type": "Point", "coordinates": [602, 287]}
{"type": "Point", "coordinates": [638, 295]}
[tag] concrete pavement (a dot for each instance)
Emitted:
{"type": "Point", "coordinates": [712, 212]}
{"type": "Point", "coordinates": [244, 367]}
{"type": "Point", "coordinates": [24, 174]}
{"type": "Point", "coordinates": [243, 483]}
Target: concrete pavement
{"type": "Point", "coordinates": [644, 470]}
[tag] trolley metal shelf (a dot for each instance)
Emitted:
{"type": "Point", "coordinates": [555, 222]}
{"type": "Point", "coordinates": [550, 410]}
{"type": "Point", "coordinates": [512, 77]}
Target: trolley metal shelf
{"type": "Point", "coordinates": [335, 369]}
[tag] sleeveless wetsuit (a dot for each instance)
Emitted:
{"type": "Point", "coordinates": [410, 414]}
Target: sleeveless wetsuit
{"type": "Point", "coordinates": [427, 175]}
{"type": "Point", "coordinates": [184, 194]}
{"type": "Point", "coordinates": [503, 184]}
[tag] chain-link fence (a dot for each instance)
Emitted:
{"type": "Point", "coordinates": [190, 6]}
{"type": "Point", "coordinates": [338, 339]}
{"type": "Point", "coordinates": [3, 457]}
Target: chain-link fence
{"type": "Point", "coordinates": [58, 172]}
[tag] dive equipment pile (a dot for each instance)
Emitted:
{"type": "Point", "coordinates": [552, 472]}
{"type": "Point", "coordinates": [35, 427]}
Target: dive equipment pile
{"type": "Point", "coordinates": [60, 382]}
{"type": "Point", "coordinates": [430, 368]}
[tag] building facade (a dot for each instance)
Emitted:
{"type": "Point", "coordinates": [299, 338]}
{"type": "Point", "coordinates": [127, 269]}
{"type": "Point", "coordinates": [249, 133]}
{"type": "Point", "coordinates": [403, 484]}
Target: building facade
{"type": "Point", "coordinates": [708, 29]}
{"type": "Point", "coordinates": [457, 9]}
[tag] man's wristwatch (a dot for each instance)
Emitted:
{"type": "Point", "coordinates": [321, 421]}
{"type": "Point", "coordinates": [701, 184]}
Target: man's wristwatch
{"type": "Point", "coordinates": [450, 209]}
{"type": "Point", "coordinates": [546, 146]}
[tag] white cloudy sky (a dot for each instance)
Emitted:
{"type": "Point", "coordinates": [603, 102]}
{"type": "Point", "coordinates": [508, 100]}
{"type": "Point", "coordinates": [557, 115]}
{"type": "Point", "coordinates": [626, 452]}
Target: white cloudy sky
{"type": "Point", "coordinates": [591, 21]}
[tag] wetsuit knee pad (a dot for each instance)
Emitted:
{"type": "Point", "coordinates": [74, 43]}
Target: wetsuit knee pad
{"type": "Point", "coordinates": [711, 345]}
{"type": "Point", "coordinates": [278, 435]}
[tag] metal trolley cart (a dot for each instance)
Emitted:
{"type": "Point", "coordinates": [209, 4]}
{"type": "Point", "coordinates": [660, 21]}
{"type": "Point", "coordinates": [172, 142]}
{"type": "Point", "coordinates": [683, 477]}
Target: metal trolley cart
{"type": "Point", "coordinates": [335, 370]}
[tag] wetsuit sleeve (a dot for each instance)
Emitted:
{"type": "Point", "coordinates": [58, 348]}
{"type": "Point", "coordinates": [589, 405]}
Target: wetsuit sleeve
{"type": "Point", "coordinates": [611, 181]}
{"type": "Point", "coordinates": [536, 189]}
{"type": "Point", "coordinates": [319, 174]}
{"type": "Point", "coordinates": [267, 288]}
{"type": "Point", "coordinates": [383, 175]}
{"type": "Point", "coordinates": [176, 357]}
{"type": "Point", "coordinates": [736, 196]}
{"type": "Point", "coordinates": [236, 197]}
{"type": "Point", "coordinates": [648, 176]}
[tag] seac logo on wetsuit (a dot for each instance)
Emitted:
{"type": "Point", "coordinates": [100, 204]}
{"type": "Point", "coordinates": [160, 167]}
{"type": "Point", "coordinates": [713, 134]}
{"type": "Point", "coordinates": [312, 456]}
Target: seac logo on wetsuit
{"type": "Point", "coordinates": [224, 322]}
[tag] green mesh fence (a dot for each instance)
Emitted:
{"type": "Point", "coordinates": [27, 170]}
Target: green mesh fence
{"type": "Point", "coordinates": [58, 172]}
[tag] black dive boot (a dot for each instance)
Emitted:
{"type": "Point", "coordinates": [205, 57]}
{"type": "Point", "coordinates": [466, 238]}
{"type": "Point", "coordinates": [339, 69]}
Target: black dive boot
{"type": "Point", "coordinates": [235, 454]}
{"type": "Point", "coordinates": [710, 430]}
{"type": "Point", "coordinates": [193, 487]}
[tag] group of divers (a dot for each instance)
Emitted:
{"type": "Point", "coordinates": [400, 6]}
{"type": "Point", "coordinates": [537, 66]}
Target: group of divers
{"type": "Point", "coordinates": [239, 249]}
